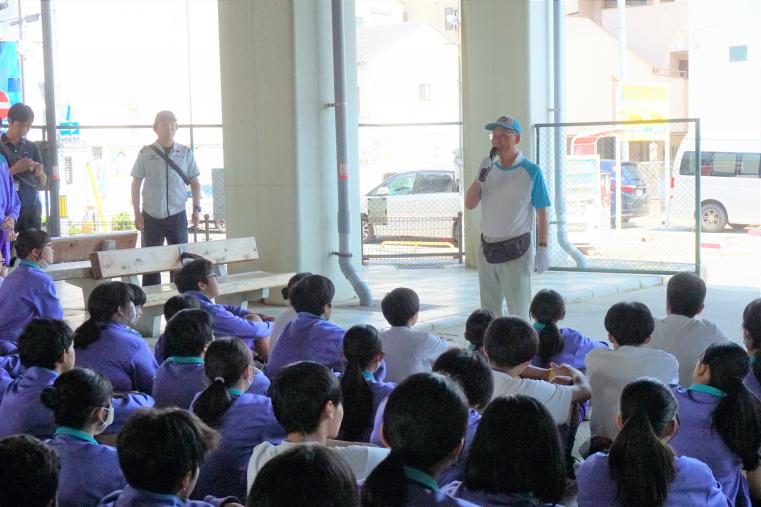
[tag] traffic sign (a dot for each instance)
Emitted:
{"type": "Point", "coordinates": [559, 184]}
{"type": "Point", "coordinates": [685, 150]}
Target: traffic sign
{"type": "Point", "coordinates": [5, 104]}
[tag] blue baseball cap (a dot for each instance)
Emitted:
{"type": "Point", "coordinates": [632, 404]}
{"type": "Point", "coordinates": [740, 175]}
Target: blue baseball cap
{"type": "Point", "coordinates": [506, 122]}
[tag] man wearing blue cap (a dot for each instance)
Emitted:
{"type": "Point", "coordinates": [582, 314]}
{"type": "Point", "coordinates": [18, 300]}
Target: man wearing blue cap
{"type": "Point", "coordinates": [511, 190]}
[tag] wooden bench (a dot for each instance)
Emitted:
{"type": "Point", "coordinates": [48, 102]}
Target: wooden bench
{"type": "Point", "coordinates": [235, 289]}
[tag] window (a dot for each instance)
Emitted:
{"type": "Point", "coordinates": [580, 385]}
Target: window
{"type": "Point", "coordinates": [724, 164]}
{"type": "Point", "coordinates": [436, 183]}
{"type": "Point", "coordinates": [738, 53]}
{"type": "Point", "coordinates": [398, 185]}
{"type": "Point", "coordinates": [688, 164]}
{"type": "Point", "coordinates": [451, 18]}
{"type": "Point", "coordinates": [424, 91]}
{"type": "Point", "coordinates": [749, 167]}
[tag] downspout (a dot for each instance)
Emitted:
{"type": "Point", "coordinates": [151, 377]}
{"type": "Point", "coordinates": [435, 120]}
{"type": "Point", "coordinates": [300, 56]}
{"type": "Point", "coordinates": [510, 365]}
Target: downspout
{"type": "Point", "coordinates": [558, 27]}
{"type": "Point", "coordinates": [344, 214]}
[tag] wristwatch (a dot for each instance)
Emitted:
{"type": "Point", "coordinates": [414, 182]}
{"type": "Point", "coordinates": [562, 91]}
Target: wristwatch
{"type": "Point", "coordinates": [197, 208]}
{"type": "Point", "coordinates": [542, 243]}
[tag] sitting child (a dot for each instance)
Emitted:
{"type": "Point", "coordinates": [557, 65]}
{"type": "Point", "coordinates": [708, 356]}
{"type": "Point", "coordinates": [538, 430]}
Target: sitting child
{"type": "Point", "coordinates": [475, 327]}
{"type": "Point", "coordinates": [173, 305]}
{"type": "Point", "coordinates": [289, 313]}
{"type": "Point", "coordinates": [138, 299]}
{"type": "Point", "coordinates": [752, 338]}
{"type": "Point", "coordinates": [28, 472]}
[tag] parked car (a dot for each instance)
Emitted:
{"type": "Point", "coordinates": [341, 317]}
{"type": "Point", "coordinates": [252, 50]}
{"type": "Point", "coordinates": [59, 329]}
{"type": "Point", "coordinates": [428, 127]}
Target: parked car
{"type": "Point", "coordinates": [633, 190]}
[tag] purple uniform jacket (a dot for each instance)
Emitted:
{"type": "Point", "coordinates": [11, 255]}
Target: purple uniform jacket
{"type": "Point", "coordinates": [10, 206]}
{"type": "Point", "coordinates": [26, 294]}
{"type": "Point", "coordinates": [380, 391]}
{"type": "Point", "coordinates": [12, 365]}
{"type": "Point", "coordinates": [131, 497]}
{"type": "Point", "coordinates": [21, 410]}
{"type": "Point", "coordinates": [124, 405]}
{"type": "Point", "coordinates": [486, 499]}
{"type": "Point", "coordinates": [694, 484]}
{"type": "Point", "coordinates": [697, 439]}
{"type": "Point", "coordinates": [158, 350]}
{"type": "Point", "coordinates": [89, 471]}
{"type": "Point", "coordinates": [421, 496]}
{"type": "Point", "coordinates": [248, 422]}
{"type": "Point", "coordinates": [122, 356]}
{"type": "Point", "coordinates": [752, 383]}
{"type": "Point", "coordinates": [576, 346]}
{"type": "Point", "coordinates": [308, 338]}
{"type": "Point", "coordinates": [178, 380]}
{"type": "Point", "coordinates": [229, 320]}
{"type": "Point", "coordinates": [457, 470]}
{"type": "Point", "coordinates": [5, 381]}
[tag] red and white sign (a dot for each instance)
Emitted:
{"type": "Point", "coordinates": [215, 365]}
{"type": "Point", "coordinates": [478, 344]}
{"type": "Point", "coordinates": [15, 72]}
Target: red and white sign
{"type": "Point", "coordinates": [5, 104]}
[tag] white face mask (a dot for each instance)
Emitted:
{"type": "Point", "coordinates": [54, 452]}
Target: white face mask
{"type": "Point", "coordinates": [109, 420]}
{"type": "Point", "coordinates": [131, 314]}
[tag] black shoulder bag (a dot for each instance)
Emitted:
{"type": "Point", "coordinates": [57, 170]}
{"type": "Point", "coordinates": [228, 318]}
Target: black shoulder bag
{"type": "Point", "coordinates": [171, 163]}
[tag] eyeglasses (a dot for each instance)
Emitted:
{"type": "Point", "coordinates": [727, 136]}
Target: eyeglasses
{"type": "Point", "coordinates": [50, 244]}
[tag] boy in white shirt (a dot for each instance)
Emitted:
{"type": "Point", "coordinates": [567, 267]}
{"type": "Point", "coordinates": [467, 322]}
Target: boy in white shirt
{"type": "Point", "coordinates": [681, 333]}
{"type": "Point", "coordinates": [407, 351]}
{"type": "Point", "coordinates": [629, 327]}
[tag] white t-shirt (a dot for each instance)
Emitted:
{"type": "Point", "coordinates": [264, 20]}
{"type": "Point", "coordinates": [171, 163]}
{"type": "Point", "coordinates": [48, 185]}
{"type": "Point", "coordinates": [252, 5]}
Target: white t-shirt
{"type": "Point", "coordinates": [610, 370]}
{"type": "Point", "coordinates": [409, 352]}
{"type": "Point", "coordinates": [686, 339]}
{"type": "Point", "coordinates": [556, 398]}
{"type": "Point", "coordinates": [362, 459]}
{"type": "Point", "coordinates": [281, 321]}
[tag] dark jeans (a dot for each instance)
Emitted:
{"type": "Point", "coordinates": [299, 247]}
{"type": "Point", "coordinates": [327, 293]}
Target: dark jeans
{"type": "Point", "coordinates": [173, 229]}
{"type": "Point", "coordinates": [29, 218]}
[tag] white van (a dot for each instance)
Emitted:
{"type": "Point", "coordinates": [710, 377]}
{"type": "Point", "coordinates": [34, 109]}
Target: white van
{"type": "Point", "coordinates": [730, 184]}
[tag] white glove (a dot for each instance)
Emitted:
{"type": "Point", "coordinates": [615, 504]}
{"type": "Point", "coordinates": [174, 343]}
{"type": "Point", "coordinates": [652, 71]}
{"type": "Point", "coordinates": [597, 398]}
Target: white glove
{"type": "Point", "coordinates": [541, 260]}
{"type": "Point", "coordinates": [484, 168]}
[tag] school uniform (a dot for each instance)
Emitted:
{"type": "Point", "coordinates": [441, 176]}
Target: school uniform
{"type": "Point", "coordinates": [132, 497]}
{"type": "Point", "coordinates": [89, 470]}
{"type": "Point", "coordinates": [282, 319]}
{"type": "Point", "coordinates": [10, 206]}
{"type": "Point", "coordinates": [178, 380]}
{"type": "Point", "coordinates": [422, 491]}
{"type": "Point", "coordinates": [693, 484]}
{"type": "Point", "coordinates": [697, 438]}
{"type": "Point", "coordinates": [158, 349]}
{"type": "Point", "coordinates": [21, 410]}
{"type": "Point", "coordinates": [125, 404]}
{"type": "Point", "coordinates": [457, 470]}
{"type": "Point", "coordinates": [229, 320]}
{"type": "Point", "coordinates": [309, 337]}
{"type": "Point", "coordinates": [27, 293]}
{"type": "Point", "coordinates": [261, 384]}
{"type": "Point", "coordinates": [380, 391]}
{"type": "Point", "coordinates": [248, 422]}
{"type": "Point", "coordinates": [5, 381]}
{"type": "Point", "coordinates": [11, 365]}
{"type": "Point", "coordinates": [752, 383]}
{"type": "Point", "coordinates": [556, 398]}
{"type": "Point", "coordinates": [408, 351]}
{"type": "Point", "coordinates": [576, 346]}
{"type": "Point", "coordinates": [122, 356]}
{"type": "Point", "coordinates": [489, 499]}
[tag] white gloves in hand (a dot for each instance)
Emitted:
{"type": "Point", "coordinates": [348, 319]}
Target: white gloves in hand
{"type": "Point", "coordinates": [541, 260]}
{"type": "Point", "coordinates": [484, 168]}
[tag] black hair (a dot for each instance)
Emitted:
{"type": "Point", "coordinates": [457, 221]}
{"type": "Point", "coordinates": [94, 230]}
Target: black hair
{"type": "Point", "coordinates": [510, 341]}
{"type": "Point", "coordinates": [182, 302]}
{"type": "Point", "coordinates": [400, 305]}
{"type": "Point", "coordinates": [516, 450]}
{"type": "Point", "coordinates": [361, 344]}
{"type": "Point", "coordinates": [188, 333]}
{"type": "Point", "coordinates": [305, 475]}
{"type": "Point", "coordinates": [28, 240]}
{"type": "Point", "coordinates": [158, 447]}
{"type": "Point", "coordinates": [311, 294]}
{"type": "Point", "coordinates": [43, 342]}
{"type": "Point", "coordinates": [104, 301]}
{"type": "Point", "coordinates": [299, 393]}
{"type": "Point", "coordinates": [471, 371]}
{"type": "Point", "coordinates": [629, 323]}
{"type": "Point", "coordinates": [20, 112]}
{"type": "Point", "coordinates": [75, 394]}
{"type": "Point", "coordinates": [292, 282]}
{"type": "Point", "coordinates": [752, 327]}
{"type": "Point", "coordinates": [424, 423]}
{"type": "Point", "coordinates": [685, 294]}
{"type": "Point", "coordinates": [736, 417]}
{"type": "Point", "coordinates": [193, 273]}
{"type": "Point", "coordinates": [138, 294]}
{"type": "Point", "coordinates": [224, 363]}
{"type": "Point", "coordinates": [476, 325]}
{"type": "Point", "coordinates": [28, 472]}
{"type": "Point", "coordinates": [647, 408]}
{"type": "Point", "coordinates": [547, 308]}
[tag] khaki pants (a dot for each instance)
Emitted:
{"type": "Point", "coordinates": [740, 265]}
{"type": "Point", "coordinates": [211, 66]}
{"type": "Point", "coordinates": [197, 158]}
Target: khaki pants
{"type": "Point", "coordinates": [509, 281]}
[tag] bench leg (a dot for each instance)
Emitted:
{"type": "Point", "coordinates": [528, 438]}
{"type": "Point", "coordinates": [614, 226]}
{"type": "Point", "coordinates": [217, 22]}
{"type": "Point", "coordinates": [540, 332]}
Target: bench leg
{"type": "Point", "coordinates": [150, 323]}
{"type": "Point", "coordinates": [87, 285]}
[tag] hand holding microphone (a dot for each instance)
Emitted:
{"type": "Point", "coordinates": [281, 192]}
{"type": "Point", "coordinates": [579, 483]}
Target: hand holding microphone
{"type": "Point", "coordinates": [486, 165]}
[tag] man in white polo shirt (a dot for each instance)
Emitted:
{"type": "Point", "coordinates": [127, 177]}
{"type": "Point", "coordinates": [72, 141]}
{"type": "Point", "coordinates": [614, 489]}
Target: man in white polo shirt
{"type": "Point", "coordinates": [511, 190]}
{"type": "Point", "coordinates": [166, 167]}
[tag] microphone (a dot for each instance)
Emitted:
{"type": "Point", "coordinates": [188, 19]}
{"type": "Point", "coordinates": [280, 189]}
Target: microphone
{"type": "Point", "coordinates": [492, 153]}
{"type": "Point", "coordinates": [485, 169]}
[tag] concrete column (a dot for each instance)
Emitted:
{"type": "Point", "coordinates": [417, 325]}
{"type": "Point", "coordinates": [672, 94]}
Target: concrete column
{"type": "Point", "coordinates": [279, 139]}
{"type": "Point", "coordinates": [505, 70]}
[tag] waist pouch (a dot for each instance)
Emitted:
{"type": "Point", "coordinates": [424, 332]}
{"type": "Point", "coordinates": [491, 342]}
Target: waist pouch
{"type": "Point", "coordinates": [508, 250]}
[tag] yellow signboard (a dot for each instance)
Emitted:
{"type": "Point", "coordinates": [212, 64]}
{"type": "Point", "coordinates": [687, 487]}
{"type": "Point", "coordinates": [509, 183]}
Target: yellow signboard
{"type": "Point", "coordinates": [642, 102]}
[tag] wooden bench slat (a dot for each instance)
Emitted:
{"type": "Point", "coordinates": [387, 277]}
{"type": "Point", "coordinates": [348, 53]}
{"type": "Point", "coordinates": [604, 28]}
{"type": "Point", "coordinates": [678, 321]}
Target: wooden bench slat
{"type": "Point", "coordinates": [79, 247]}
{"type": "Point", "coordinates": [70, 270]}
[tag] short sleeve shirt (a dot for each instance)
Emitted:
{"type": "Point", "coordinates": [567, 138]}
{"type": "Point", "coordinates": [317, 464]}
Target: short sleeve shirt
{"type": "Point", "coordinates": [25, 182]}
{"type": "Point", "coordinates": [164, 192]}
{"type": "Point", "coordinates": [556, 398]}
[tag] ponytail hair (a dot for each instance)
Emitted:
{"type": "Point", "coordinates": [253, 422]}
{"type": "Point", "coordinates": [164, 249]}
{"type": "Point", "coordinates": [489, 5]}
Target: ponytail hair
{"type": "Point", "coordinates": [75, 394]}
{"type": "Point", "coordinates": [424, 422]}
{"type": "Point", "coordinates": [104, 301]}
{"type": "Point", "coordinates": [286, 291]}
{"type": "Point", "coordinates": [547, 308]}
{"type": "Point", "coordinates": [752, 327]}
{"type": "Point", "coordinates": [224, 363]}
{"type": "Point", "coordinates": [361, 344]}
{"type": "Point", "coordinates": [647, 408]}
{"type": "Point", "coordinates": [736, 417]}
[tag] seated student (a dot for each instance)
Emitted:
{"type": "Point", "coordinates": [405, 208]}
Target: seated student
{"type": "Point", "coordinates": [559, 346]}
{"type": "Point", "coordinates": [682, 333]}
{"type": "Point", "coordinates": [106, 344]}
{"type": "Point", "coordinates": [289, 313]}
{"type": "Point", "coordinates": [81, 403]}
{"type": "Point", "coordinates": [407, 351]}
{"type": "Point", "coordinates": [475, 327]}
{"type": "Point", "coordinates": [138, 299]}
{"type": "Point", "coordinates": [28, 293]}
{"type": "Point", "coordinates": [305, 475]}
{"type": "Point", "coordinates": [182, 375]}
{"type": "Point", "coordinates": [28, 472]}
{"type": "Point", "coordinates": [244, 420]}
{"type": "Point", "coordinates": [173, 305]}
{"type": "Point", "coordinates": [197, 279]}
{"type": "Point", "coordinates": [720, 420]}
{"type": "Point", "coordinates": [311, 336]}
{"type": "Point", "coordinates": [307, 400]}
{"type": "Point", "coordinates": [629, 327]}
{"type": "Point", "coordinates": [46, 350]}
{"type": "Point", "coordinates": [752, 339]}
{"type": "Point", "coordinates": [160, 452]}
{"type": "Point", "coordinates": [640, 450]}
{"type": "Point", "coordinates": [516, 458]}
{"type": "Point", "coordinates": [424, 425]}
{"type": "Point", "coordinates": [362, 393]}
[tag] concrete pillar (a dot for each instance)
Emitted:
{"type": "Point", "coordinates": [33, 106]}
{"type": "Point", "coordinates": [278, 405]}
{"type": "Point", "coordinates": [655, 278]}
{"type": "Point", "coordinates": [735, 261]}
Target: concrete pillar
{"type": "Point", "coordinates": [506, 68]}
{"type": "Point", "coordinates": [279, 139]}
